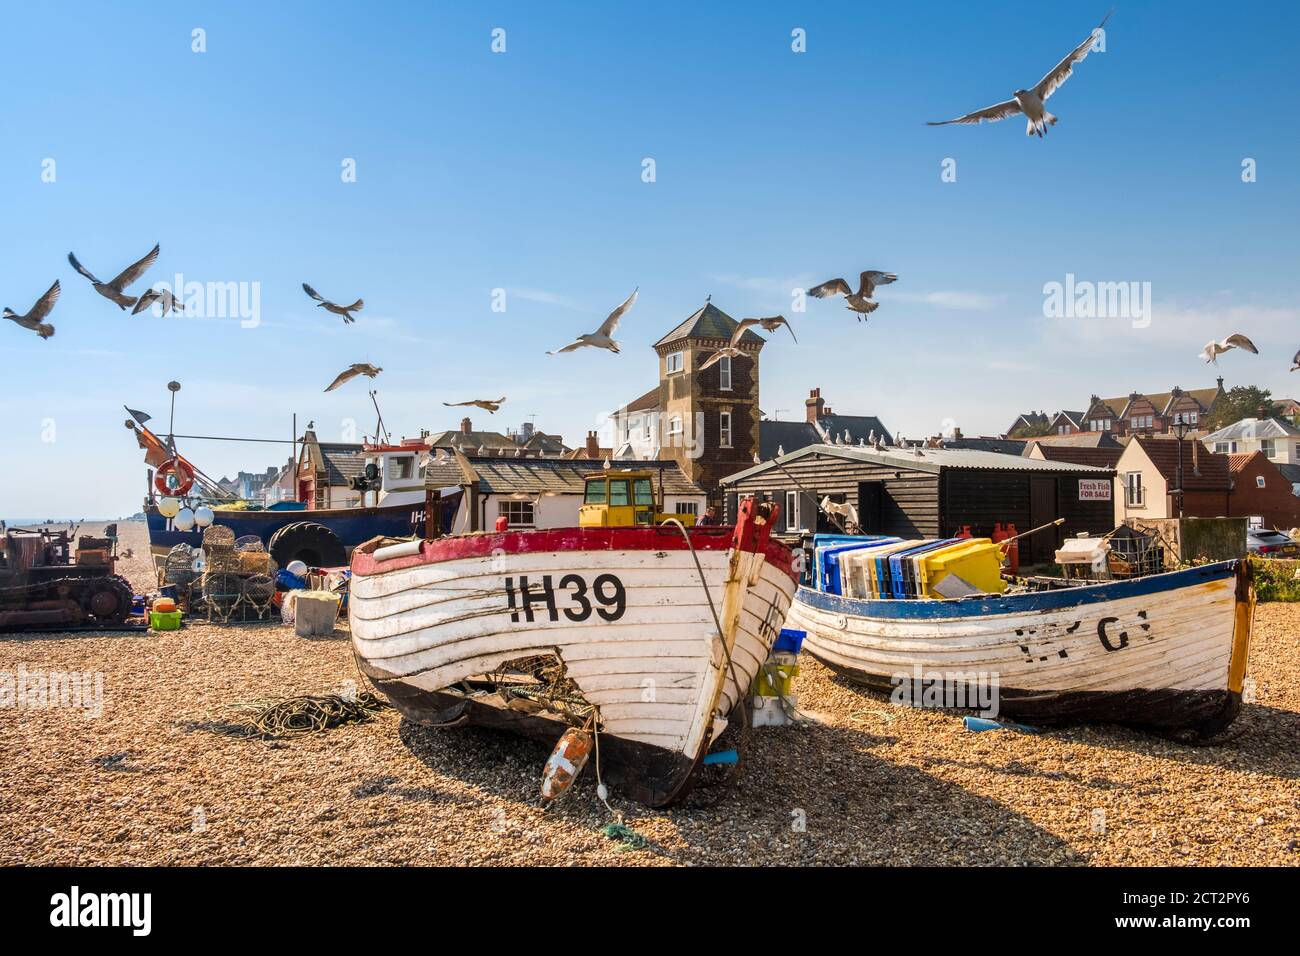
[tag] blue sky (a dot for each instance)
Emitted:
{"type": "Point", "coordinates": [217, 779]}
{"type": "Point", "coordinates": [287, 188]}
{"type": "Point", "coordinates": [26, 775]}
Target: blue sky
{"type": "Point", "coordinates": [522, 171]}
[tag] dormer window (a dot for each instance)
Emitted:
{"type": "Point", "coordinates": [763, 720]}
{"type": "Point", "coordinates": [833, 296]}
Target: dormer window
{"type": "Point", "coordinates": [673, 362]}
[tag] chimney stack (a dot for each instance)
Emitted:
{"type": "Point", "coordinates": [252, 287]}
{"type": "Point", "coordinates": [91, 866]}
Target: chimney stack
{"type": "Point", "coordinates": [593, 445]}
{"type": "Point", "coordinates": [466, 426]}
{"type": "Point", "coordinates": [814, 407]}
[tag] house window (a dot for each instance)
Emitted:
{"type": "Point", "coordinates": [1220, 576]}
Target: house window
{"type": "Point", "coordinates": [675, 425]}
{"type": "Point", "coordinates": [1259, 481]}
{"type": "Point", "coordinates": [1062, 429]}
{"type": "Point", "coordinates": [724, 429]}
{"type": "Point", "coordinates": [673, 362]}
{"type": "Point", "coordinates": [1133, 495]}
{"type": "Point", "coordinates": [724, 374]}
{"type": "Point", "coordinates": [518, 513]}
{"type": "Point", "coordinates": [687, 508]}
{"type": "Point", "coordinates": [646, 434]}
{"type": "Point", "coordinates": [1225, 447]}
{"type": "Point", "coordinates": [1099, 425]}
{"type": "Point", "coordinates": [792, 510]}
{"type": "Point", "coordinates": [1269, 447]}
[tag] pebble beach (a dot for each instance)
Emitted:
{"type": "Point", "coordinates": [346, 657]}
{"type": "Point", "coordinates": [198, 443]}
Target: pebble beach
{"type": "Point", "coordinates": [152, 779]}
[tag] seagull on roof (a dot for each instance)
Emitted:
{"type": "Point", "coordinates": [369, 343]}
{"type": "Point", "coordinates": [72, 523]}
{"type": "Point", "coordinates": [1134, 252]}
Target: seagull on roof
{"type": "Point", "coordinates": [163, 297]}
{"type": "Point", "coordinates": [116, 290]}
{"type": "Point", "coordinates": [1236, 340]}
{"type": "Point", "coordinates": [860, 301]}
{"type": "Point", "coordinates": [487, 405]}
{"type": "Point", "coordinates": [1030, 102]}
{"type": "Point", "coordinates": [343, 310]}
{"type": "Point", "coordinates": [351, 372]}
{"type": "Point", "coordinates": [769, 324]}
{"type": "Point", "coordinates": [34, 319]}
{"type": "Point", "coordinates": [602, 338]}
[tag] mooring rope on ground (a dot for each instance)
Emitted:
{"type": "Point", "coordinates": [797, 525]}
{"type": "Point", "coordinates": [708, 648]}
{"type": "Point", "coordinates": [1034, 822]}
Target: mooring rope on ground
{"type": "Point", "coordinates": [308, 714]}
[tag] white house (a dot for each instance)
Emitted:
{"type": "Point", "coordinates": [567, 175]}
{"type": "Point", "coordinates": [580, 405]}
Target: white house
{"type": "Point", "coordinates": [1279, 441]}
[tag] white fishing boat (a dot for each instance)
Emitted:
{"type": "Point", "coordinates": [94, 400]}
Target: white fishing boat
{"type": "Point", "coordinates": [649, 633]}
{"type": "Point", "coordinates": [1166, 651]}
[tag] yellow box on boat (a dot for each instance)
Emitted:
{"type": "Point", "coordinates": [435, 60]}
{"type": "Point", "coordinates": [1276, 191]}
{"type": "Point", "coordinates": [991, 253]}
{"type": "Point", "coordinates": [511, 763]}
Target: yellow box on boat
{"type": "Point", "coordinates": [973, 566]}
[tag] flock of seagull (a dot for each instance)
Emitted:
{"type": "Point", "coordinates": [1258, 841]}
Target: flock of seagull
{"type": "Point", "coordinates": [1029, 102]}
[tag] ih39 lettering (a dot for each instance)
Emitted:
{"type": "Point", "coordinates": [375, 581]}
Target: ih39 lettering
{"type": "Point", "coordinates": [606, 596]}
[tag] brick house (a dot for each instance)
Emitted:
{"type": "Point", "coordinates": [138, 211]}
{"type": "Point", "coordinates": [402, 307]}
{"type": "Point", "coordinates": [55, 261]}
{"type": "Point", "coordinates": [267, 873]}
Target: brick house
{"type": "Point", "coordinates": [706, 420]}
{"type": "Point", "coordinates": [1156, 413]}
{"type": "Point", "coordinates": [1260, 490]}
{"type": "Point", "coordinates": [1147, 478]}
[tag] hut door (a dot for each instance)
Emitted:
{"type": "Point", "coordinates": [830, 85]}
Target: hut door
{"type": "Point", "coordinates": [1042, 509]}
{"type": "Point", "coordinates": [870, 496]}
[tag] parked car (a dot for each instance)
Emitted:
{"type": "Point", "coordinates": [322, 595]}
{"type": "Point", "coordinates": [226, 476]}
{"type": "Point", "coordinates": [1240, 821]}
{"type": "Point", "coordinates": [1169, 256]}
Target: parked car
{"type": "Point", "coordinates": [1271, 544]}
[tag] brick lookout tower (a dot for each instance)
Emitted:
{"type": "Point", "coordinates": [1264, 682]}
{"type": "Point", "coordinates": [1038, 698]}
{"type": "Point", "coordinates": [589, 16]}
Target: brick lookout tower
{"type": "Point", "coordinates": [708, 417]}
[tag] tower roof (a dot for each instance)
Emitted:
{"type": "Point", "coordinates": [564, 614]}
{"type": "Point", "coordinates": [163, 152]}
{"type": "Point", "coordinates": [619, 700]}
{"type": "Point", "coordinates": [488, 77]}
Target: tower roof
{"type": "Point", "coordinates": [708, 322]}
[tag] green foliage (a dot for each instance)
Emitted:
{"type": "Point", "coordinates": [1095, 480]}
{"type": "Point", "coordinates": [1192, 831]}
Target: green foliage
{"type": "Point", "coordinates": [1276, 579]}
{"type": "Point", "coordinates": [1241, 401]}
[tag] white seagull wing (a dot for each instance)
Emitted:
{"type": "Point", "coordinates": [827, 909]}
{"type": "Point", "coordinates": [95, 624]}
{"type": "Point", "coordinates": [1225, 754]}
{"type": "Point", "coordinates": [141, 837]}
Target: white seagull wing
{"type": "Point", "coordinates": [136, 269]}
{"type": "Point", "coordinates": [1237, 340]}
{"type": "Point", "coordinates": [569, 348]}
{"type": "Point", "coordinates": [1050, 83]}
{"type": "Point", "coordinates": [991, 114]}
{"type": "Point", "coordinates": [611, 322]}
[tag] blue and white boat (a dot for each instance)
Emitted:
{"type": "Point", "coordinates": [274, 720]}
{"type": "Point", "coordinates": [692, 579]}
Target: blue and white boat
{"type": "Point", "coordinates": [1166, 652]}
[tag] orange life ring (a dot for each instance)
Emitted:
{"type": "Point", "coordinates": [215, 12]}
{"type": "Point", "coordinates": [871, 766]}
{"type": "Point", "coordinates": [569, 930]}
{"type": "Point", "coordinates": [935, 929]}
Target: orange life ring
{"type": "Point", "coordinates": [184, 477]}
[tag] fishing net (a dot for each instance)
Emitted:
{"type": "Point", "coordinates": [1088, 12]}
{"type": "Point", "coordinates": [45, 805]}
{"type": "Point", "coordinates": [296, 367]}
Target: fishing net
{"type": "Point", "coordinates": [539, 682]}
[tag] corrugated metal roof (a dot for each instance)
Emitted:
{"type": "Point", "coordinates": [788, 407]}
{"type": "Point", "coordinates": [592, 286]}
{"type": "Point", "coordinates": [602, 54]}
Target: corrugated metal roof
{"type": "Point", "coordinates": [506, 476]}
{"type": "Point", "coordinates": [931, 460]}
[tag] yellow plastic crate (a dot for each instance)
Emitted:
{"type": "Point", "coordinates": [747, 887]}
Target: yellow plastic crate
{"type": "Point", "coordinates": [973, 566]}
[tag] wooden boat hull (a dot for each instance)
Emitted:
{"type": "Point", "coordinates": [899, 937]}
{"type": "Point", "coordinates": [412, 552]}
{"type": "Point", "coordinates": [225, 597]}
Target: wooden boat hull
{"type": "Point", "coordinates": [623, 611]}
{"type": "Point", "coordinates": [1166, 652]}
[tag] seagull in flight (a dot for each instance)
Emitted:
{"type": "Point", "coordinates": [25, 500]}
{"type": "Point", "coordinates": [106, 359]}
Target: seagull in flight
{"type": "Point", "coordinates": [727, 351]}
{"type": "Point", "coordinates": [601, 338]}
{"type": "Point", "coordinates": [164, 297]}
{"type": "Point", "coordinates": [1031, 102]}
{"type": "Point", "coordinates": [1295, 362]}
{"type": "Point", "coordinates": [487, 405]}
{"type": "Point", "coordinates": [351, 372]}
{"type": "Point", "coordinates": [116, 290]}
{"type": "Point", "coordinates": [33, 319]}
{"type": "Point", "coordinates": [328, 306]}
{"type": "Point", "coordinates": [1236, 340]}
{"type": "Point", "coordinates": [860, 302]}
{"type": "Point", "coordinates": [770, 324]}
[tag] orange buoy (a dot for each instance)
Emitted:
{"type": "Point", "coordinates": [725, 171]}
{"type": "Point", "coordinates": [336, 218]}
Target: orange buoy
{"type": "Point", "coordinates": [566, 762]}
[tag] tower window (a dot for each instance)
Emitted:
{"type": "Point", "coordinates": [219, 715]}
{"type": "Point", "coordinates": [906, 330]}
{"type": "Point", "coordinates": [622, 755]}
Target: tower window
{"type": "Point", "coordinates": [673, 362]}
{"type": "Point", "coordinates": [724, 429]}
{"type": "Point", "coordinates": [724, 373]}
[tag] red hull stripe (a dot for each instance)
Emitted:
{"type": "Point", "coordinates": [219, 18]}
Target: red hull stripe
{"type": "Point", "coordinates": [566, 539]}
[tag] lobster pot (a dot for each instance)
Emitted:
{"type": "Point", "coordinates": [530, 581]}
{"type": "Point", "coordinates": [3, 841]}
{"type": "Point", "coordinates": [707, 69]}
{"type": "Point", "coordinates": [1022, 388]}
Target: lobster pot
{"type": "Point", "coordinates": [254, 562]}
{"type": "Point", "coordinates": [259, 588]}
{"type": "Point", "coordinates": [222, 560]}
{"type": "Point", "coordinates": [178, 567]}
{"type": "Point", "coordinates": [218, 536]}
{"type": "Point", "coordinates": [249, 542]}
{"type": "Point", "coordinates": [222, 589]}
